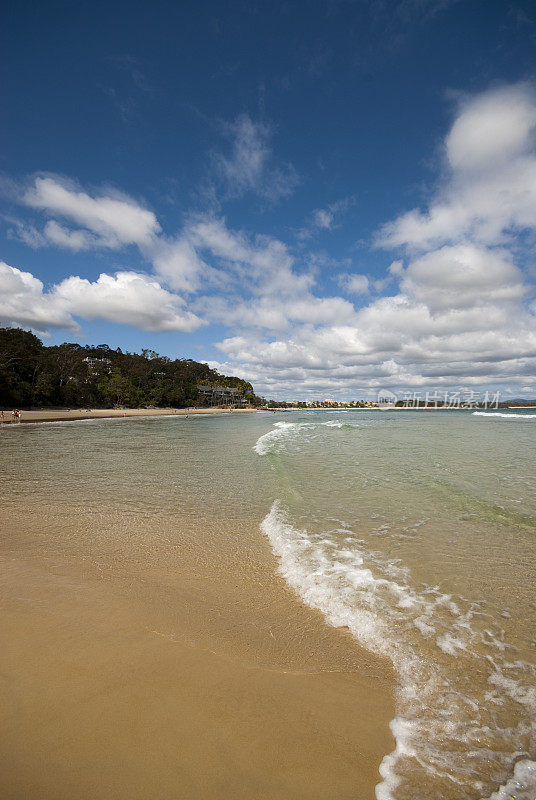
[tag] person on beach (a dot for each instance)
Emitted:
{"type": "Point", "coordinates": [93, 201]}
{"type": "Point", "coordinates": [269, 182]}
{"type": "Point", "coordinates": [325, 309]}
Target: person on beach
{"type": "Point", "coordinates": [1, 417]}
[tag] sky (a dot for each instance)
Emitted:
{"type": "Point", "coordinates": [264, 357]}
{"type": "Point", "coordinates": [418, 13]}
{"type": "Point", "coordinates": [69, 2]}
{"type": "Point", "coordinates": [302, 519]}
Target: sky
{"type": "Point", "coordinates": [328, 198]}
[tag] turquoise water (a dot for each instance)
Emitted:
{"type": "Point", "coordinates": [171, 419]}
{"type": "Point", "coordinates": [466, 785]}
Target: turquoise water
{"type": "Point", "coordinates": [414, 530]}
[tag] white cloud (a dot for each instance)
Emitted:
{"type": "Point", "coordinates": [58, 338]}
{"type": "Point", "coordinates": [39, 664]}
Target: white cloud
{"type": "Point", "coordinates": [250, 166]}
{"type": "Point", "coordinates": [25, 232]}
{"type": "Point", "coordinates": [463, 276]}
{"type": "Point", "coordinates": [178, 264]}
{"type": "Point", "coordinates": [115, 219]}
{"type": "Point", "coordinates": [72, 240]}
{"type": "Point", "coordinates": [489, 192]}
{"type": "Point", "coordinates": [129, 298]}
{"type": "Point", "coordinates": [463, 314]}
{"type": "Point", "coordinates": [382, 283]}
{"type": "Point", "coordinates": [324, 219]}
{"type": "Point", "coordinates": [276, 315]}
{"type": "Point", "coordinates": [492, 128]}
{"type": "Point", "coordinates": [394, 342]}
{"type": "Point", "coordinates": [258, 283]}
{"type": "Point", "coordinates": [461, 311]}
{"type": "Point", "coordinates": [23, 302]}
{"type": "Point", "coordinates": [262, 266]}
{"type": "Point", "coordinates": [353, 283]}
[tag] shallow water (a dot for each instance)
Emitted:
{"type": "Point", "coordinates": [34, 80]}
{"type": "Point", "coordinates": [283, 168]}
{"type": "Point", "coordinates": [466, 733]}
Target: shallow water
{"type": "Point", "coordinates": [413, 530]}
{"type": "Point", "coordinates": [416, 531]}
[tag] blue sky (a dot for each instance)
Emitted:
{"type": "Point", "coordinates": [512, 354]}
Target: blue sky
{"type": "Point", "coordinates": [328, 198]}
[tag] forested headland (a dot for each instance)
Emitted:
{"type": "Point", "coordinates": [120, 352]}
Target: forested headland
{"type": "Point", "coordinates": [34, 375]}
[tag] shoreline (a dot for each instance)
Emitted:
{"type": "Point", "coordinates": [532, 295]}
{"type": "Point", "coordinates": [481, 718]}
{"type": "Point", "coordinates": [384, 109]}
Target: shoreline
{"type": "Point", "coordinates": [65, 415]}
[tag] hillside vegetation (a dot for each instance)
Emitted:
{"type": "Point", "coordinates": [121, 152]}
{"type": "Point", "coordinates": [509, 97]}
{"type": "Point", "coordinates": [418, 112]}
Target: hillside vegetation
{"type": "Point", "coordinates": [33, 375]}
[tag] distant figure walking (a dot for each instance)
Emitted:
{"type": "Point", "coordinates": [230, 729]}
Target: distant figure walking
{"type": "Point", "coordinates": [1, 417]}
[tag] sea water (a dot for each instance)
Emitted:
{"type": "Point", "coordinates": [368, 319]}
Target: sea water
{"type": "Point", "coordinates": [413, 530]}
{"type": "Point", "coordinates": [416, 531]}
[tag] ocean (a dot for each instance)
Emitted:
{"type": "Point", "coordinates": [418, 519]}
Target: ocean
{"type": "Point", "coordinates": [413, 531]}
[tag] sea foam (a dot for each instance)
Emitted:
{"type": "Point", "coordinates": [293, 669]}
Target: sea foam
{"type": "Point", "coordinates": [499, 415]}
{"type": "Point", "coordinates": [434, 710]}
{"type": "Point", "coordinates": [283, 433]}
{"type": "Point", "coordinates": [522, 786]}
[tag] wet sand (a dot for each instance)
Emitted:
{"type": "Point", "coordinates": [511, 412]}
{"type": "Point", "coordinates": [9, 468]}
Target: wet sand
{"type": "Point", "coordinates": [135, 671]}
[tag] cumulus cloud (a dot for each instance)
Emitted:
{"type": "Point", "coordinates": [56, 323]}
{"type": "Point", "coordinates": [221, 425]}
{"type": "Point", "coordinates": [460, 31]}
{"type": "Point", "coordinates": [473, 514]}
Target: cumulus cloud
{"type": "Point", "coordinates": [127, 297]}
{"type": "Point", "coordinates": [462, 314]}
{"type": "Point", "coordinates": [281, 315]}
{"type": "Point", "coordinates": [437, 331]}
{"type": "Point", "coordinates": [492, 128]}
{"type": "Point", "coordinates": [463, 276]}
{"type": "Point", "coordinates": [115, 220]}
{"type": "Point", "coordinates": [24, 302]}
{"type": "Point", "coordinates": [489, 192]}
{"type": "Point", "coordinates": [461, 310]}
{"type": "Point", "coordinates": [395, 343]}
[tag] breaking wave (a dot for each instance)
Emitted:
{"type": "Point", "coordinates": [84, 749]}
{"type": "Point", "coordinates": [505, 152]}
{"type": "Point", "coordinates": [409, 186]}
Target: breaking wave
{"type": "Point", "coordinates": [285, 433]}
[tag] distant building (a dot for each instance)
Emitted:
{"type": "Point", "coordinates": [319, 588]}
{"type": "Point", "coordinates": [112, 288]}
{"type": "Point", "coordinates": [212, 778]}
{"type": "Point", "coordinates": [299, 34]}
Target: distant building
{"type": "Point", "coordinates": [98, 363]}
{"type": "Point", "coordinates": [219, 395]}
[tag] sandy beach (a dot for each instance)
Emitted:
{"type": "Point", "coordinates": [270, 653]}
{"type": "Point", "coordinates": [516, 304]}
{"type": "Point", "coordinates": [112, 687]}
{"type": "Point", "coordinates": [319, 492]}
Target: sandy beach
{"type": "Point", "coordinates": [156, 653]}
{"type": "Point", "coordinates": [64, 414]}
